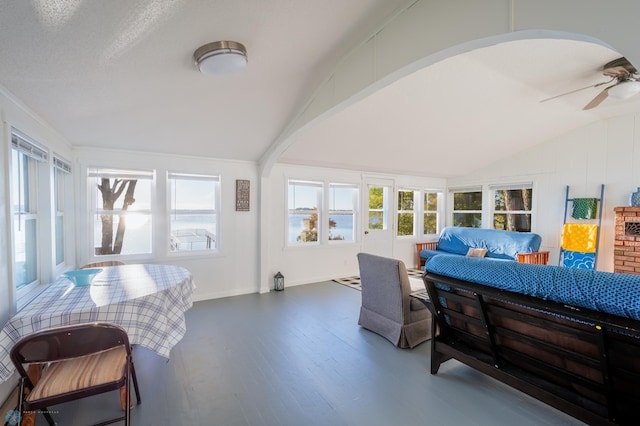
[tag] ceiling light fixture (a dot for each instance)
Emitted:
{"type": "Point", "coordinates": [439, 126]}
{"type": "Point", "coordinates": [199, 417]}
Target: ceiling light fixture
{"type": "Point", "coordinates": [624, 90]}
{"type": "Point", "coordinates": [221, 57]}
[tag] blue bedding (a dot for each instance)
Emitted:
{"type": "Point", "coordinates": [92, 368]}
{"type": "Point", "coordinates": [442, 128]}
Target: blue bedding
{"type": "Point", "coordinates": [613, 293]}
{"type": "Point", "coordinates": [500, 244]}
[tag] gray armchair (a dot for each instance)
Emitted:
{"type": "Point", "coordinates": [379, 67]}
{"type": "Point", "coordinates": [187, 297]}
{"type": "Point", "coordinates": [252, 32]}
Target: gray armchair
{"type": "Point", "coordinates": [387, 308]}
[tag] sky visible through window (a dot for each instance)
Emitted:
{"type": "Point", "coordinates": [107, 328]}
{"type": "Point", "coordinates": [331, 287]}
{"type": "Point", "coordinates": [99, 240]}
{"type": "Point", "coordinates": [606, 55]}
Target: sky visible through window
{"type": "Point", "coordinates": [303, 196]}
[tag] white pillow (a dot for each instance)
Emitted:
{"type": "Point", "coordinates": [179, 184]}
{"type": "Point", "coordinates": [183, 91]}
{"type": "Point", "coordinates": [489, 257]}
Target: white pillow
{"type": "Point", "coordinates": [476, 252]}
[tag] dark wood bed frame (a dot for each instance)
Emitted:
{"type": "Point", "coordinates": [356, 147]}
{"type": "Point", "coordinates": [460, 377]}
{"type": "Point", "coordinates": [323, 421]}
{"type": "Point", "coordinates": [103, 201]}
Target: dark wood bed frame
{"type": "Point", "coordinates": [582, 362]}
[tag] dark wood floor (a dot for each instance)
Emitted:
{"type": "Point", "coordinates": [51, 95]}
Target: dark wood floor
{"type": "Point", "coordinates": [298, 357]}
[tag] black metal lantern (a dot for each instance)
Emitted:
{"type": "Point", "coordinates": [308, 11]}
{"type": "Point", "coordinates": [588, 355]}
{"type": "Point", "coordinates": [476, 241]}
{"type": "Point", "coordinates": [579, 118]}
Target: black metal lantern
{"type": "Point", "coordinates": [278, 282]}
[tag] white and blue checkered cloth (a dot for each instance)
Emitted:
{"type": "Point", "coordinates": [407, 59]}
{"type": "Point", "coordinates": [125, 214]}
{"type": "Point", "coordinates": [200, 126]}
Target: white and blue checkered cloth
{"type": "Point", "coordinates": [148, 301]}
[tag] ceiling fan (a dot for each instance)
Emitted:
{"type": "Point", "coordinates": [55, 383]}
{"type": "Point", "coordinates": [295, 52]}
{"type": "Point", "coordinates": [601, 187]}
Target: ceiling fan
{"type": "Point", "coordinates": [625, 79]}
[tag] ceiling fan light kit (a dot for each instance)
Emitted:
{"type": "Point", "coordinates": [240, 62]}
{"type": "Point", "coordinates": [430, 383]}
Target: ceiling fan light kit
{"type": "Point", "coordinates": [625, 79]}
{"type": "Point", "coordinates": [625, 89]}
{"type": "Point", "coordinates": [221, 57]}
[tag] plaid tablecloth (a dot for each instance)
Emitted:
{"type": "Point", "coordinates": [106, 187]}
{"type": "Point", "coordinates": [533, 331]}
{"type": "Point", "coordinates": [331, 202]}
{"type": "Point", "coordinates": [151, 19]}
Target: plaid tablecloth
{"type": "Point", "coordinates": [148, 301]}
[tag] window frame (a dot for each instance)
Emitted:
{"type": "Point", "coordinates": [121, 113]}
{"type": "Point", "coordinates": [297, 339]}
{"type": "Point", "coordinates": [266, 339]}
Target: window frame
{"type": "Point", "coordinates": [436, 212]}
{"type": "Point", "coordinates": [323, 212]}
{"type": "Point", "coordinates": [40, 195]}
{"type": "Point", "coordinates": [94, 172]}
{"type": "Point", "coordinates": [355, 197]}
{"type": "Point", "coordinates": [216, 180]}
{"type": "Point", "coordinates": [414, 212]}
{"type": "Point", "coordinates": [473, 189]}
{"type": "Point", "coordinates": [506, 187]}
{"type": "Point", "coordinates": [317, 210]}
{"type": "Point", "coordinates": [387, 194]}
{"type": "Point", "coordinates": [61, 189]}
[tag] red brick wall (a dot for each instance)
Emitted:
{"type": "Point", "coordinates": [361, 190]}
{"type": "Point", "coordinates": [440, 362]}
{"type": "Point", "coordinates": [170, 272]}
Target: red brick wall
{"type": "Point", "coordinates": [626, 251]}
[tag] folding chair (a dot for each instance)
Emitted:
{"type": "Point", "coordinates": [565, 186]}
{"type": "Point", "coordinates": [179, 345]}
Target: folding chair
{"type": "Point", "coordinates": [74, 362]}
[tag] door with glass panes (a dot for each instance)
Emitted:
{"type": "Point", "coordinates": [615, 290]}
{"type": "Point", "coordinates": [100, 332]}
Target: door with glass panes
{"type": "Point", "coordinates": [377, 222]}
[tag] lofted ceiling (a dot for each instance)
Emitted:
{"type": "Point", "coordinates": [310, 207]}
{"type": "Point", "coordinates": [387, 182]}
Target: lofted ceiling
{"type": "Point", "coordinates": [120, 74]}
{"type": "Point", "coordinates": [471, 109]}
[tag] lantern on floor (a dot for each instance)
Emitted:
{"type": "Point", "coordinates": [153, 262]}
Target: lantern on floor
{"type": "Point", "coordinates": [278, 282]}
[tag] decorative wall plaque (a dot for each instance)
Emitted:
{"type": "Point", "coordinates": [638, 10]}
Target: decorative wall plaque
{"type": "Point", "coordinates": [242, 195]}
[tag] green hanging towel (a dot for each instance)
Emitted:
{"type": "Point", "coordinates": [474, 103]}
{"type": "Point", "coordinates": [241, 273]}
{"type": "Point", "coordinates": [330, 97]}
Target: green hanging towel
{"type": "Point", "coordinates": [584, 208]}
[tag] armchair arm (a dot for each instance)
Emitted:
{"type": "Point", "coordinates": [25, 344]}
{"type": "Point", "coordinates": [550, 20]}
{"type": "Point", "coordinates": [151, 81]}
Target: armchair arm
{"type": "Point", "coordinates": [536, 257]}
{"type": "Point", "coordinates": [431, 245]}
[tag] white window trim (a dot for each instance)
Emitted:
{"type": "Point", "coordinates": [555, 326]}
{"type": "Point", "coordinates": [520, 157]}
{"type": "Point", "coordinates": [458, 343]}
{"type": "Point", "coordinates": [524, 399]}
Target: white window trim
{"type": "Point", "coordinates": [319, 209]}
{"type": "Point", "coordinates": [175, 175]}
{"type": "Point", "coordinates": [438, 212]}
{"type": "Point", "coordinates": [355, 203]}
{"type": "Point", "coordinates": [323, 213]}
{"type": "Point", "coordinates": [417, 194]}
{"type": "Point", "coordinates": [128, 173]}
{"type": "Point", "coordinates": [509, 186]}
{"type": "Point", "coordinates": [474, 188]}
{"type": "Point", "coordinates": [22, 143]}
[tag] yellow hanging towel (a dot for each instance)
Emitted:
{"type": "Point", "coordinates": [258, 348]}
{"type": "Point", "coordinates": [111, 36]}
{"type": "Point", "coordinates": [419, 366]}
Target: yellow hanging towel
{"type": "Point", "coordinates": [579, 237]}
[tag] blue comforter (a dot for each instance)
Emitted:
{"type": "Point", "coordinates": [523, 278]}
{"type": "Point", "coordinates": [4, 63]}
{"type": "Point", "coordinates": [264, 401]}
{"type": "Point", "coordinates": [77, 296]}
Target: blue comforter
{"type": "Point", "coordinates": [613, 293]}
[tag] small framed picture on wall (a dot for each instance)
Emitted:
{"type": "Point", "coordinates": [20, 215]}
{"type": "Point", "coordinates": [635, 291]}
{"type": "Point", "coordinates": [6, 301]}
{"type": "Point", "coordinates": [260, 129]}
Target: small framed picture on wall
{"type": "Point", "coordinates": [242, 195]}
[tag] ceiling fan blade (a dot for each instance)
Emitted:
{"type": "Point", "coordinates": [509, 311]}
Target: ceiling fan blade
{"type": "Point", "coordinates": [577, 90]}
{"type": "Point", "coordinates": [598, 99]}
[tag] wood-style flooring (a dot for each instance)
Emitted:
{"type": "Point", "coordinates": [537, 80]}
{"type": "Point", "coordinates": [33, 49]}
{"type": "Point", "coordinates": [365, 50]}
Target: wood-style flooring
{"type": "Point", "coordinates": [298, 357]}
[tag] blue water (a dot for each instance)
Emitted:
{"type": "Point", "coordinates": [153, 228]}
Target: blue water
{"type": "Point", "coordinates": [137, 239]}
{"type": "Point", "coordinates": [343, 228]}
{"type": "Point", "coordinates": [138, 235]}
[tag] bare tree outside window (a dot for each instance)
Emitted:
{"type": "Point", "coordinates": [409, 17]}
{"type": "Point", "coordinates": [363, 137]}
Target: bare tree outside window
{"type": "Point", "coordinates": [512, 209]}
{"type": "Point", "coordinates": [112, 190]}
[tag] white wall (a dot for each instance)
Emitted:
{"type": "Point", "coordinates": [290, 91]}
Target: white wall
{"type": "Point", "coordinates": [231, 272]}
{"type": "Point", "coordinates": [607, 152]}
{"type": "Point", "coordinates": [306, 264]}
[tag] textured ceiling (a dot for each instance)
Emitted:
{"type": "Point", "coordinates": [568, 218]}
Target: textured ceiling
{"type": "Point", "coordinates": [120, 74]}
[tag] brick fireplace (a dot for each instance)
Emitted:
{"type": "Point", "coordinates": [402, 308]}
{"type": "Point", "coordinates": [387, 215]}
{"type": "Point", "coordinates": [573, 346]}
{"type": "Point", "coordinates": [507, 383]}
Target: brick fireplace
{"type": "Point", "coordinates": [626, 252]}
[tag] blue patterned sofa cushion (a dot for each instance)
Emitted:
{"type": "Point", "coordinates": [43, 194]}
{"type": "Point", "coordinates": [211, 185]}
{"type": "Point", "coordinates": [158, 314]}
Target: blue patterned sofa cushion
{"type": "Point", "coordinates": [613, 293]}
{"type": "Point", "coordinates": [499, 244]}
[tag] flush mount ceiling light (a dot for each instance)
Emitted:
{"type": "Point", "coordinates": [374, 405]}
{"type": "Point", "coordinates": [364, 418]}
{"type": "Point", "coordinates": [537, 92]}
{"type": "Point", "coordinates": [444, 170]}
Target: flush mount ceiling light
{"type": "Point", "coordinates": [625, 89]}
{"type": "Point", "coordinates": [221, 57]}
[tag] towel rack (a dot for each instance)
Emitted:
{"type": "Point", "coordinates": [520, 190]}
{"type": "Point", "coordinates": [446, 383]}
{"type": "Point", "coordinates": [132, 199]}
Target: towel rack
{"type": "Point", "coordinates": [581, 231]}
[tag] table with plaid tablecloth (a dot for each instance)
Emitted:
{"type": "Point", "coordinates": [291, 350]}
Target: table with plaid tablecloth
{"type": "Point", "coordinates": [148, 301]}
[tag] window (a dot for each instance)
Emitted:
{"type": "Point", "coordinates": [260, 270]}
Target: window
{"type": "Point", "coordinates": [61, 175]}
{"type": "Point", "coordinates": [343, 201]}
{"type": "Point", "coordinates": [430, 213]}
{"type": "Point", "coordinates": [304, 200]}
{"type": "Point", "coordinates": [26, 159]}
{"type": "Point", "coordinates": [378, 200]}
{"type": "Point", "coordinates": [467, 208]}
{"type": "Point", "coordinates": [121, 211]}
{"type": "Point", "coordinates": [512, 207]}
{"type": "Point", "coordinates": [193, 222]}
{"type": "Point", "coordinates": [406, 212]}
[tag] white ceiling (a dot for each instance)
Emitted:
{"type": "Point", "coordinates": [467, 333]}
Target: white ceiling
{"type": "Point", "coordinates": [120, 74]}
{"type": "Point", "coordinates": [476, 107]}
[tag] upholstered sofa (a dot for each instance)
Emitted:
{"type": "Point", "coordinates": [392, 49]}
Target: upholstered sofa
{"type": "Point", "coordinates": [387, 307]}
{"type": "Point", "coordinates": [491, 243]}
{"type": "Point", "coordinates": [568, 337]}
